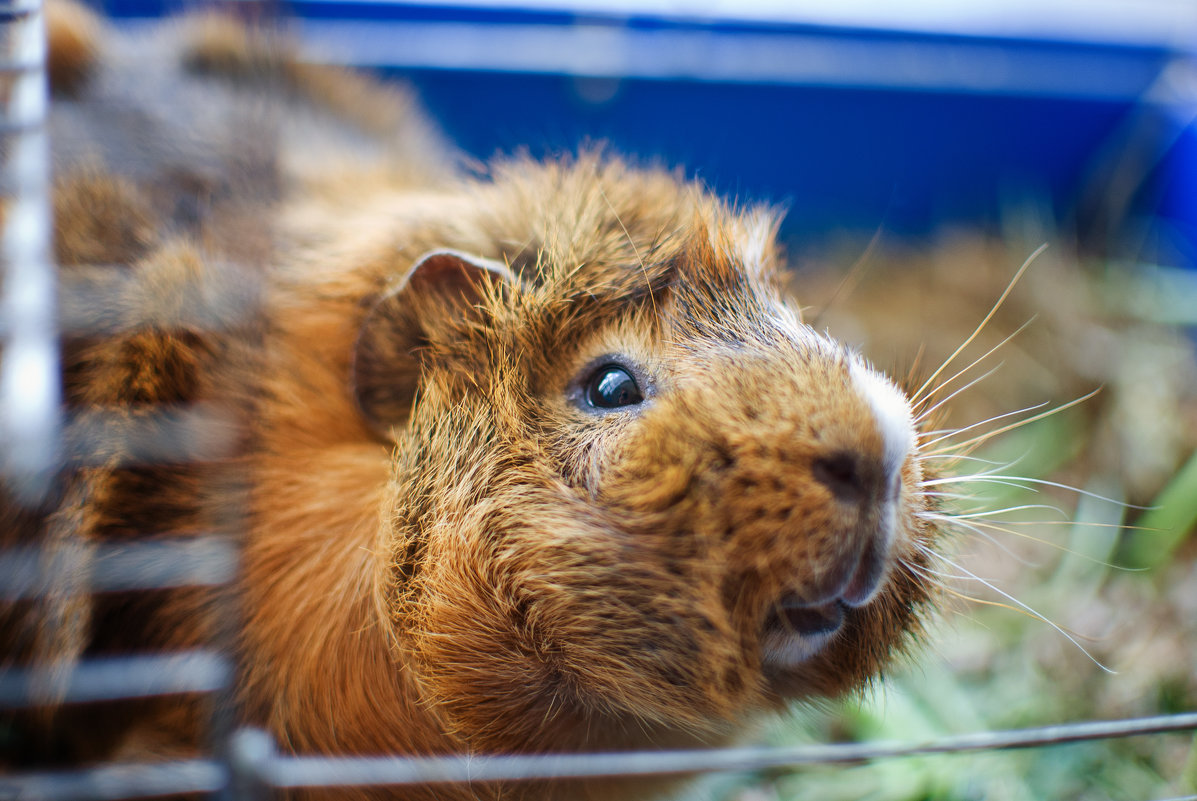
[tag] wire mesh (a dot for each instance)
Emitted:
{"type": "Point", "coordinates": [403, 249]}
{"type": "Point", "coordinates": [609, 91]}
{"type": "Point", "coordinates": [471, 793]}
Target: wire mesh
{"type": "Point", "coordinates": [38, 444]}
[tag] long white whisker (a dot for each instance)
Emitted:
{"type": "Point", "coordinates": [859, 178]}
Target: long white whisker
{"type": "Point", "coordinates": [935, 432]}
{"type": "Point", "coordinates": [990, 434]}
{"type": "Point", "coordinates": [952, 496]}
{"type": "Point", "coordinates": [944, 574]}
{"type": "Point", "coordinates": [979, 530]}
{"type": "Point", "coordinates": [964, 458]}
{"type": "Point", "coordinates": [1068, 522]}
{"type": "Point", "coordinates": [978, 424]}
{"type": "Point", "coordinates": [997, 469]}
{"type": "Point", "coordinates": [632, 242]}
{"type": "Point", "coordinates": [990, 512]}
{"type": "Point", "coordinates": [995, 473]}
{"type": "Point", "coordinates": [929, 574]}
{"type": "Point", "coordinates": [1020, 481]}
{"type": "Point", "coordinates": [1004, 528]}
{"type": "Point", "coordinates": [981, 478]}
{"type": "Point", "coordinates": [969, 575]}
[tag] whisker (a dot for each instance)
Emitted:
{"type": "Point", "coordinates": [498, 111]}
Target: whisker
{"type": "Point", "coordinates": [974, 363]}
{"type": "Point", "coordinates": [952, 520]}
{"type": "Point", "coordinates": [1020, 481]}
{"type": "Point", "coordinates": [852, 276]}
{"type": "Point", "coordinates": [935, 432]}
{"type": "Point", "coordinates": [1009, 288]}
{"type": "Point", "coordinates": [977, 478]}
{"type": "Point", "coordinates": [1004, 528]}
{"type": "Point", "coordinates": [1037, 523]}
{"type": "Point", "coordinates": [938, 576]}
{"type": "Point", "coordinates": [928, 412]}
{"type": "Point", "coordinates": [978, 529]}
{"type": "Point", "coordinates": [972, 599]}
{"type": "Point", "coordinates": [632, 243]}
{"type": "Point", "coordinates": [955, 432]}
{"type": "Point", "coordinates": [941, 578]}
{"type": "Point", "coordinates": [989, 512]}
{"type": "Point", "coordinates": [915, 364]}
{"type": "Point", "coordinates": [970, 576]}
{"type": "Point", "coordinates": [991, 434]}
{"type": "Point", "coordinates": [951, 456]}
{"type": "Point", "coordinates": [996, 479]}
{"type": "Point", "coordinates": [952, 496]}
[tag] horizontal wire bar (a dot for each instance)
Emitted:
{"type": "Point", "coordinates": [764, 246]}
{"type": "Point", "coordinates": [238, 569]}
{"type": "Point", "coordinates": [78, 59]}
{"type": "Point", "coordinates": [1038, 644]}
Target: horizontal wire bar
{"type": "Point", "coordinates": [13, 67]}
{"type": "Point", "coordinates": [9, 127]}
{"type": "Point", "coordinates": [255, 749]}
{"type": "Point", "coordinates": [153, 435]}
{"type": "Point", "coordinates": [254, 752]}
{"type": "Point", "coordinates": [111, 782]}
{"type": "Point", "coordinates": [14, 13]}
{"type": "Point", "coordinates": [109, 300]}
{"type": "Point", "coordinates": [116, 678]}
{"type": "Point", "coordinates": [203, 561]}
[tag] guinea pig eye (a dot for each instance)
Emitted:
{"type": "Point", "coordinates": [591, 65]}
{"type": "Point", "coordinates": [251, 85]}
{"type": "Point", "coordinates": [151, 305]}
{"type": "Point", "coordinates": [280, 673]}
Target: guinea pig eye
{"type": "Point", "coordinates": [611, 386]}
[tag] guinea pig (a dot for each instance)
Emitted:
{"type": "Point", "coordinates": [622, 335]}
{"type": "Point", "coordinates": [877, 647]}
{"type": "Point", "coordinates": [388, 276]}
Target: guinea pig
{"type": "Point", "coordinates": [535, 460]}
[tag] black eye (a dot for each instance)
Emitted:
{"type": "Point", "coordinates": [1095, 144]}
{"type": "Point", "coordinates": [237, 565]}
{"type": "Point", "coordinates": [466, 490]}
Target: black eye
{"type": "Point", "coordinates": [612, 386]}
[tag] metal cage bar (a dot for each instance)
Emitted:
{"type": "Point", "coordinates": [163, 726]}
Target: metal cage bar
{"type": "Point", "coordinates": [30, 417]}
{"type": "Point", "coordinates": [120, 678]}
{"type": "Point", "coordinates": [38, 441]}
{"type": "Point", "coordinates": [255, 762]}
{"type": "Point", "coordinates": [161, 564]}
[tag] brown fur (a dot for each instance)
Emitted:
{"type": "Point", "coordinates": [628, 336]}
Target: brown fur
{"type": "Point", "coordinates": [465, 559]}
{"type": "Point", "coordinates": [72, 34]}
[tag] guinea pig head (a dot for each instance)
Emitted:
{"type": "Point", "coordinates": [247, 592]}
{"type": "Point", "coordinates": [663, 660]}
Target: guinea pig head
{"type": "Point", "coordinates": [633, 503]}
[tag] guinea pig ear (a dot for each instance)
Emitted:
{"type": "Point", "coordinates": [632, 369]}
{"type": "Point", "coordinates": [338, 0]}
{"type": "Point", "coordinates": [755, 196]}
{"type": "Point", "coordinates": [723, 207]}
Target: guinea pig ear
{"type": "Point", "coordinates": [386, 363]}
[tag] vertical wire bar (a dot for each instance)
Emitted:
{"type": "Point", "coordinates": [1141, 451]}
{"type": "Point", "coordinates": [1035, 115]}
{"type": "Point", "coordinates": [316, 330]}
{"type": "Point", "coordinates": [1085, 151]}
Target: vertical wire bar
{"type": "Point", "coordinates": [30, 386]}
{"type": "Point", "coordinates": [241, 783]}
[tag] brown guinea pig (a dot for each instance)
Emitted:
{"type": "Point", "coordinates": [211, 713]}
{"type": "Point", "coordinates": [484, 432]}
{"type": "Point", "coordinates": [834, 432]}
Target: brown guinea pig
{"type": "Point", "coordinates": [540, 460]}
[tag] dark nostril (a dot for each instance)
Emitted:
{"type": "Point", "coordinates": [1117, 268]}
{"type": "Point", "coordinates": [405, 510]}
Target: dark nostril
{"type": "Point", "coordinates": [840, 473]}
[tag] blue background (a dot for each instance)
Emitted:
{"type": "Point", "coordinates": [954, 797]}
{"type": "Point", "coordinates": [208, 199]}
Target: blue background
{"type": "Point", "coordinates": [847, 158]}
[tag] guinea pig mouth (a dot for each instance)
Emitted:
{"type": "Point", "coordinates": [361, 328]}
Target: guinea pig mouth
{"type": "Point", "coordinates": [796, 631]}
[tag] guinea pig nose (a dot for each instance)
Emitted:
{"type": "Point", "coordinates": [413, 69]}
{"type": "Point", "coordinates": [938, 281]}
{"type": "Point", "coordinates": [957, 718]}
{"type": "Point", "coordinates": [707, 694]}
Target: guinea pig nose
{"type": "Point", "coordinates": [840, 473]}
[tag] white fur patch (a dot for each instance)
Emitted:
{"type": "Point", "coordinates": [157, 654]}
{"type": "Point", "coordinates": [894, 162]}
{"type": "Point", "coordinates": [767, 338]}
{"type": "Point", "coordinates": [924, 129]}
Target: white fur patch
{"type": "Point", "coordinates": [892, 412]}
{"type": "Point", "coordinates": [790, 649]}
{"type": "Point", "coordinates": [757, 242]}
